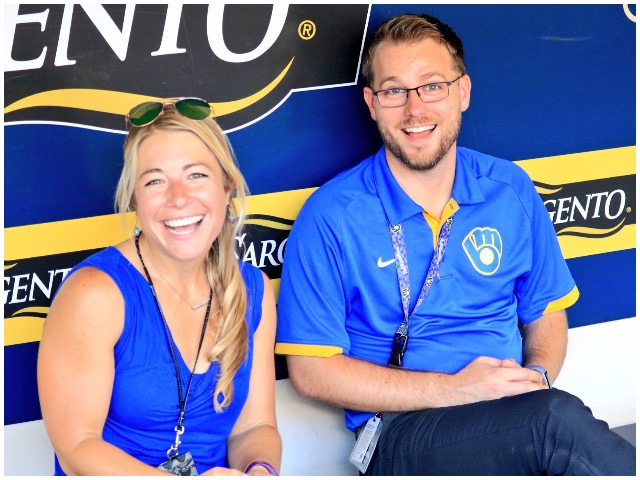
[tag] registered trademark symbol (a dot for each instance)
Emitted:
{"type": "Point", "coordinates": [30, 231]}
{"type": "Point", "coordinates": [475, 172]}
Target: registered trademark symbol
{"type": "Point", "coordinates": [628, 209]}
{"type": "Point", "coordinates": [307, 29]}
{"type": "Point", "coordinates": [627, 11]}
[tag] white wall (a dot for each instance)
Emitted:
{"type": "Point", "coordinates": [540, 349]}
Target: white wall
{"type": "Point", "coordinates": [600, 368]}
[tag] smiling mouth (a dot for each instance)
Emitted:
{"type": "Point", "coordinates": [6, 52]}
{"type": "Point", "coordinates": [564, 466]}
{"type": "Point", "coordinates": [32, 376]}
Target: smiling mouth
{"type": "Point", "coordinates": [422, 129]}
{"type": "Point", "coordinates": [183, 226]}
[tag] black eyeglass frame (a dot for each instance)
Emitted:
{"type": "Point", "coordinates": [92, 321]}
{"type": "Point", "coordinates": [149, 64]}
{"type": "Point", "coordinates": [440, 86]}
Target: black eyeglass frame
{"type": "Point", "coordinates": [417, 90]}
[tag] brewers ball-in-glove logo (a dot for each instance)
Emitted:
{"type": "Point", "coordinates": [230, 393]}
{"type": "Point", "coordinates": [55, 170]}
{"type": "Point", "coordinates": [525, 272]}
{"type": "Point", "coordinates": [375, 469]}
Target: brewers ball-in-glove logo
{"type": "Point", "coordinates": [483, 246]}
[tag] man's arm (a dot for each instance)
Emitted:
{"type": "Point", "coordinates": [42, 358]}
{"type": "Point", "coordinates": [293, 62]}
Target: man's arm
{"type": "Point", "coordinates": [350, 383]}
{"type": "Point", "coordinates": [545, 342]}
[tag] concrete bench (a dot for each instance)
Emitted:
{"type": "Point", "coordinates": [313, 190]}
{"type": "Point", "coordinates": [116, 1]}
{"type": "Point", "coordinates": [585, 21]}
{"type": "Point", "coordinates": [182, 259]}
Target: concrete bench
{"type": "Point", "coordinates": [600, 368]}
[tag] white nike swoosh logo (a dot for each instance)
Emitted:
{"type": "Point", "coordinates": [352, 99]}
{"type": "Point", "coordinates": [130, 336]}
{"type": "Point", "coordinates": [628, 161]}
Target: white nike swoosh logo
{"type": "Point", "coordinates": [382, 264]}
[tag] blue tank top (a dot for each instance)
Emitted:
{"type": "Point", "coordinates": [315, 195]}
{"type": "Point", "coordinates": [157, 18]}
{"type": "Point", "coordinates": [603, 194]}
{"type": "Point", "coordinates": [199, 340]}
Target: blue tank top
{"type": "Point", "coordinates": [144, 403]}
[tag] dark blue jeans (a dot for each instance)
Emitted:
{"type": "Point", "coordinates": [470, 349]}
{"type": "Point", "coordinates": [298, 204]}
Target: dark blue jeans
{"type": "Point", "coordinates": [547, 432]}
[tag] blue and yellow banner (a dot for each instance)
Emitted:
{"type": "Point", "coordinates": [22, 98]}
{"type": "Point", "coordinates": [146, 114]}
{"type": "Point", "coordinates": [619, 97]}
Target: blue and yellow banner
{"type": "Point", "coordinates": [554, 89]}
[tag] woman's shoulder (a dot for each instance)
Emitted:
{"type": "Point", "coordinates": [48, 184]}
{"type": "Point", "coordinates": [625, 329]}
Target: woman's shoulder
{"type": "Point", "coordinates": [94, 268]}
{"type": "Point", "coordinates": [94, 273]}
{"type": "Point", "coordinates": [88, 298]}
{"type": "Point", "coordinates": [106, 259]}
{"type": "Point", "coordinates": [105, 274]}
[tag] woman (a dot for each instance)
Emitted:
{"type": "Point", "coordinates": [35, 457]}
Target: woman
{"type": "Point", "coordinates": [157, 354]}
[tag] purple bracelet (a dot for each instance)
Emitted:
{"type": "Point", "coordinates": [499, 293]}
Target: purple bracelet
{"type": "Point", "coordinates": [260, 463]}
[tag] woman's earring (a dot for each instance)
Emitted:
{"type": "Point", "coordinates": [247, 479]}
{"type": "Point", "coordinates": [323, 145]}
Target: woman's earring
{"type": "Point", "coordinates": [232, 217]}
{"type": "Point", "coordinates": [136, 229]}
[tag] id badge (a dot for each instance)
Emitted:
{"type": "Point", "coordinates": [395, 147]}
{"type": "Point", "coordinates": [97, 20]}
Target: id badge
{"type": "Point", "coordinates": [366, 443]}
{"type": "Point", "coordinates": [182, 465]}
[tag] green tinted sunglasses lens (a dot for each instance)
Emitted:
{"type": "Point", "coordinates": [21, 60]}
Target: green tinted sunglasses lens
{"type": "Point", "coordinates": [144, 113]}
{"type": "Point", "coordinates": [193, 108]}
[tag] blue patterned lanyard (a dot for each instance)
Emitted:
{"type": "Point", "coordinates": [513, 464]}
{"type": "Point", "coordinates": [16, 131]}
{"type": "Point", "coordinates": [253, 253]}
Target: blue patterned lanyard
{"type": "Point", "coordinates": [401, 338]}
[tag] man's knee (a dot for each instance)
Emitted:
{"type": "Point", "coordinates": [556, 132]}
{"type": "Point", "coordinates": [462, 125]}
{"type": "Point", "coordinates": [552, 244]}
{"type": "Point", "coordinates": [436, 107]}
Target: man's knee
{"type": "Point", "coordinates": [563, 407]}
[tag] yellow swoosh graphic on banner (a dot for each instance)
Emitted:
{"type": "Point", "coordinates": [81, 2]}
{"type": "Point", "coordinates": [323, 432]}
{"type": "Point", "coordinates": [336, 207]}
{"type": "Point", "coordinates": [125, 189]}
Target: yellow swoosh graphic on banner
{"type": "Point", "coordinates": [40, 310]}
{"type": "Point", "coordinates": [25, 329]}
{"type": "Point", "coordinates": [589, 231]}
{"type": "Point", "coordinates": [108, 101]}
{"type": "Point", "coordinates": [268, 223]}
{"type": "Point", "coordinates": [574, 247]}
{"type": "Point", "coordinates": [547, 191]}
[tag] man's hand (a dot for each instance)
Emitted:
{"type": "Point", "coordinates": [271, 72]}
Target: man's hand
{"type": "Point", "coordinates": [487, 378]}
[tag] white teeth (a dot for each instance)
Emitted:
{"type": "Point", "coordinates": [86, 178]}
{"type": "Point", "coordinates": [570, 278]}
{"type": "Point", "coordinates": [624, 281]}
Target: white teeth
{"type": "Point", "coordinates": [183, 222]}
{"type": "Point", "coordinates": [419, 129]}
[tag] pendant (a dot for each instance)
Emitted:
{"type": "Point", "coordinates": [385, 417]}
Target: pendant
{"type": "Point", "coordinates": [199, 305]}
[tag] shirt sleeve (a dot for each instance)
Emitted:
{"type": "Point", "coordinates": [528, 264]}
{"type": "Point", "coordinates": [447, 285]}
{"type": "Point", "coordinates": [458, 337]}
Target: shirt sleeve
{"type": "Point", "coordinates": [312, 302]}
{"type": "Point", "coordinates": [548, 286]}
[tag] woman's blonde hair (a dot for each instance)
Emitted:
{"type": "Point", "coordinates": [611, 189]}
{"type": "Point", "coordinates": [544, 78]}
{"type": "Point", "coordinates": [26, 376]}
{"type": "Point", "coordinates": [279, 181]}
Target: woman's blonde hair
{"type": "Point", "coordinates": [223, 273]}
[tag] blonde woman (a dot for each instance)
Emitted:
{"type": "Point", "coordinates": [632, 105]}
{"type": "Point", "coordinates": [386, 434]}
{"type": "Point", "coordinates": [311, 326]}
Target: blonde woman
{"type": "Point", "coordinates": [157, 354]}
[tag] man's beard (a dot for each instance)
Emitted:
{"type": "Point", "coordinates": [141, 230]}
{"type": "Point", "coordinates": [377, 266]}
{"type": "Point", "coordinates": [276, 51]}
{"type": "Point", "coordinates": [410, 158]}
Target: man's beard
{"type": "Point", "coordinates": [422, 162]}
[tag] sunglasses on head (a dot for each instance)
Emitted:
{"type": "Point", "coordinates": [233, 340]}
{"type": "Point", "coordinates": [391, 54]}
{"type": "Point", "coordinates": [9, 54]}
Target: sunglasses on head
{"type": "Point", "coordinates": [148, 112]}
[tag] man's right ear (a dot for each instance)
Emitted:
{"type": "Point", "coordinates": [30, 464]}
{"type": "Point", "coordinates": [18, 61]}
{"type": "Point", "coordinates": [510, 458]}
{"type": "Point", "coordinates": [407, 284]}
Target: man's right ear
{"type": "Point", "coordinates": [369, 99]}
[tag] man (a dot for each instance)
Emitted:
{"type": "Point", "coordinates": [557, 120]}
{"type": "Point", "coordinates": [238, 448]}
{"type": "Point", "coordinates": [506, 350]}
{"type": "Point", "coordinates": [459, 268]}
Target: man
{"type": "Point", "coordinates": [428, 280]}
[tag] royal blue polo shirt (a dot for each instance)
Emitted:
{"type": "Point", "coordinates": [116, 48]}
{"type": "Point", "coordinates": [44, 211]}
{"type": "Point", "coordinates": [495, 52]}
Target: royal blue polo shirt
{"type": "Point", "coordinates": [502, 267]}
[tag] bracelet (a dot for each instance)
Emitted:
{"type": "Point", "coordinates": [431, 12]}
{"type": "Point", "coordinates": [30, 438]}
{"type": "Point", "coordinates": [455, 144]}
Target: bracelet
{"type": "Point", "coordinates": [260, 463]}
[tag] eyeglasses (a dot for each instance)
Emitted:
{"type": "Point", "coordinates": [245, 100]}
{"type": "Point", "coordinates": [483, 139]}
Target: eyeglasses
{"type": "Point", "coordinates": [148, 112]}
{"type": "Point", "coordinates": [428, 93]}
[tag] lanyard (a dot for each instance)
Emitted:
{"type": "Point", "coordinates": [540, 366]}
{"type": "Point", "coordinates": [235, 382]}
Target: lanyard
{"type": "Point", "coordinates": [401, 338]}
{"type": "Point", "coordinates": [182, 403]}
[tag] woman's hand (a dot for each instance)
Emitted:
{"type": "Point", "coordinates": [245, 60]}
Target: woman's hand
{"type": "Point", "coordinates": [221, 471]}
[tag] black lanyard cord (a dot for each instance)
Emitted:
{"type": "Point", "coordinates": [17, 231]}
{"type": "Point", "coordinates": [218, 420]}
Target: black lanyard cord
{"type": "Point", "coordinates": [182, 403]}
